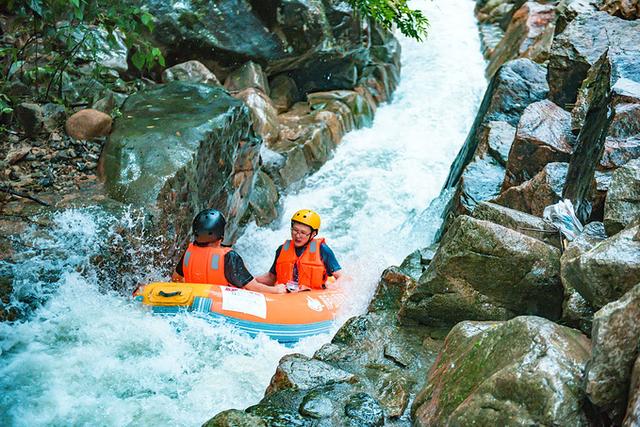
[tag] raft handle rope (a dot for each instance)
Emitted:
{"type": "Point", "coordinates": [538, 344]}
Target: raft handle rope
{"type": "Point", "coordinates": [169, 294]}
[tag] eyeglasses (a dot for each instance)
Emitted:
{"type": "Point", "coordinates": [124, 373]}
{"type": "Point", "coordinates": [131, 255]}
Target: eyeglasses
{"type": "Point", "coordinates": [300, 232]}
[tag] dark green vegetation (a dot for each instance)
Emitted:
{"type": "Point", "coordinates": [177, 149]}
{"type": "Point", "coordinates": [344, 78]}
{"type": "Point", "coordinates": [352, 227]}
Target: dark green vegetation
{"type": "Point", "coordinates": [412, 23]}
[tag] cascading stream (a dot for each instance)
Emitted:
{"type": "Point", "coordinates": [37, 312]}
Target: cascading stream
{"type": "Point", "coordinates": [87, 357]}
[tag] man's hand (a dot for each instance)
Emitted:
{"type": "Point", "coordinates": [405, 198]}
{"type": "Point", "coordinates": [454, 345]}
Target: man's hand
{"type": "Point", "coordinates": [280, 288]}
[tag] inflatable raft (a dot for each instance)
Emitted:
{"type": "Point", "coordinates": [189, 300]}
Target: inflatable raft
{"type": "Point", "coordinates": [284, 317]}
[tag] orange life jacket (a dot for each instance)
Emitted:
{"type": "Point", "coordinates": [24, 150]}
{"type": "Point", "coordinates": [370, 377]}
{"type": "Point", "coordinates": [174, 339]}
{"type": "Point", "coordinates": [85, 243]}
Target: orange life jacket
{"type": "Point", "coordinates": [311, 270]}
{"type": "Point", "coordinates": [205, 264]}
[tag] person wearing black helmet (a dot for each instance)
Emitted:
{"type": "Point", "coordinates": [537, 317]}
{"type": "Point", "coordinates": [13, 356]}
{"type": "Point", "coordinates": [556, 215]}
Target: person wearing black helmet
{"type": "Point", "coordinates": [207, 261]}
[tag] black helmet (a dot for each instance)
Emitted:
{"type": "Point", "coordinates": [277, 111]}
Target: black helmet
{"type": "Point", "coordinates": [208, 226]}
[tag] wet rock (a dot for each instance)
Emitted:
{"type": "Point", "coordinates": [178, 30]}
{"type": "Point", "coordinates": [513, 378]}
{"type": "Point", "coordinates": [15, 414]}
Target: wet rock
{"type": "Point", "coordinates": [530, 225]}
{"type": "Point", "coordinates": [480, 181]}
{"type": "Point", "coordinates": [616, 333]}
{"type": "Point", "coordinates": [526, 371]}
{"type": "Point", "coordinates": [88, 124]}
{"type": "Point", "coordinates": [529, 35]}
{"type": "Point", "coordinates": [264, 200]}
{"type": "Point", "coordinates": [627, 9]}
{"type": "Point", "coordinates": [234, 418]}
{"type": "Point", "coordinates": [567, 10]}
{"type": "Point", "coordinates": [190, 71]}
{"type": "Point", "coordinates": [299, 372]}
{"type": "Point", "coordinates": [391, 289]}
{"type": "Point", "coordinates": [263, 113]}
{"type": "Point", "coordinates": [110, 101]}
{"type": "Point", "coordinates": [582, 43]}
{"type": "Point", "coordinates": [496, 140]}
{"type": "Point", "coordinates": [534, 195]}
{"type": "Point", "coordinates": [591, 272]}
{"type": "Point", "coordinates": [358, 106]}
{"type": "Point", "coordinates": [543, 136]}
{"type": "Point", "coordinates": [250, 75]}
{"type": "Point", "coordinates": [316, 405]}
{"type": "Point", "coordinates": [295, 167]}
{"type": "Point", "coordinates": [393, 395]}
{"type": "Point", "coordinates": [363, 410]}
{"type": "Point", "coordinates": [590, 142]}
{"type": "Point", "coordinates": [618, 153]}
{"type": "Point", "coordinates": [167, 137]}
{"type": "Point", "coordinates": [622, 205]}
{"type": "Point", "coordinates": [284, 92]}
{"type": "Point", "coordinates": [517, 84]}
{"type": "Point", "coordinates": [632, 417]}
{"type": "Point", "coordinates": [481, 272]}
{"type": "Point", "coordinates": [576, 311]}
{"type": "Point", "coordinates": [107, 48]}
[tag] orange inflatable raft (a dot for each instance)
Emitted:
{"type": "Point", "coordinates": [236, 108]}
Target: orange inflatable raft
{"type": "Point", "coordinates": [284, 317]}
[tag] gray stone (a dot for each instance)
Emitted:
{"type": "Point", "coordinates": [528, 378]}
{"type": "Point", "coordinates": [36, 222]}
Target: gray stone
{"type": "Point", "coordinates": [31, 118]}
{"type": "Point", "coordinates": [482, 272]}
{"type": "Point", "coordinates": [526, 371]}
{"type": "Point", "coordinates": [190, 71]}
{"type": "Point", "coordinates": [298, 372]}
{"type": "Point", "coordinates": [576, 311]}
{"type": "Point", "coordinates": [284, 92]}
{"type": "Point", "coordinates": [498, 137]}
{"type": "Point", "coordinates": [607, 271]}
{"type": "Point", "coordinates": [622, 205]}
{"type": "Point", "coordinates": [363, 410]}
{"type": "Point", "coordinates": [582, 43]}
{"type": "Point", "coordinates": [234, 418]}
{"type": "Point", "coordinates": [530, 225]}
{"type": "Point", "coordinates": [615, 338]}
{"type": "Point", "coordinates": [264, 200]}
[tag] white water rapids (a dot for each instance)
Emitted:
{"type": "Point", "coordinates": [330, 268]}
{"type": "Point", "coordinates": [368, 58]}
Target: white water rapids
{"type": "Point", "coordinates": [90, 357]}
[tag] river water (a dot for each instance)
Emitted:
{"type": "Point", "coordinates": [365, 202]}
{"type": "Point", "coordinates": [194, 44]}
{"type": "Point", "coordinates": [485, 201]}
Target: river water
{"type": "Point", "coordinates": [91, 357]}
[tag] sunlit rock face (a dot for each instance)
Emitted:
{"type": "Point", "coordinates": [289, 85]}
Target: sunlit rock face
{"type": "Point", "coordinates": [526, 371]}
{"type": "Point", "coordinates": [181, 147]}
{"type": "Point", "coordinates": [481, 272]}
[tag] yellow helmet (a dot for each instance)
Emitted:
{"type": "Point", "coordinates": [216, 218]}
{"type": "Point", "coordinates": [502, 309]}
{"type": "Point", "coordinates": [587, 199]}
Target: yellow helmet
{"type": "Point", "coordinates": [307, 217]}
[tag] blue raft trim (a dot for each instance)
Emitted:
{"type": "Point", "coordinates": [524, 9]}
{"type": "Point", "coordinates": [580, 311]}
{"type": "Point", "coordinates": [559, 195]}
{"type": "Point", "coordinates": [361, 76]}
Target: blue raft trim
{"type": "Point", "coordinates": [283, 333]}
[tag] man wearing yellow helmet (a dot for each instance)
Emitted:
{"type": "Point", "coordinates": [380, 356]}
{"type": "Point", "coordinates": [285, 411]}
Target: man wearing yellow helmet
{"type": "Point", "coordinates": [304, 260]}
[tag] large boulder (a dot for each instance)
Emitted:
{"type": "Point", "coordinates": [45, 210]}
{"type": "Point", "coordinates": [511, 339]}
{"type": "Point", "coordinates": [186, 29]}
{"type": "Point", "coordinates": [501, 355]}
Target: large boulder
{"type": "Point", "coordinates": [576, 311]}
{"type": "Point", "coordinates": [543, 136]}
{"type": "Point", "coordinates": [250, 75]}
{"type": "Point", "coordinates": [529, 35]}
{"type": "Point", "coordinates": [615, 338]}
{"type": "Point", "coordinates": [532, 226]}
{"type": "Point", "coordinates": [622, 205]}
{"type": "Point", "coordinates": [534, 195]}
{"type": "Point", "coordinates": [582, 43]}
{"type": "Point", "coordinates": [321, 45]}
{"type": "Point", "coordinates": [591, 272]}
{"type": "Point", "coordinates": [35, 118]}
{"type": "Point", "coordinates": [181, 147]}
{"type": "Point", "coordinates": [526, 371]}
{"type": "Point", "coordinates": [484, 271]}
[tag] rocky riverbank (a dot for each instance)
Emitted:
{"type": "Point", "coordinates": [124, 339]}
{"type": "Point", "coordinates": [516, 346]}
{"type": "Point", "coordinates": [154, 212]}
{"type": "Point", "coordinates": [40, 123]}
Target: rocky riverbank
{"type": "Point", "coordinates": [247, 106]}
{"type": "Point", "coordinates": [537, 330]}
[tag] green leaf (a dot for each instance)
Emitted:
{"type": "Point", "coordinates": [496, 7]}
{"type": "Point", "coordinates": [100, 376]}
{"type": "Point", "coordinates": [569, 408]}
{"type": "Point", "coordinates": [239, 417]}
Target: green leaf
{"type": "Point", "coordinates": [147, 20]}
{"type": "Point", "coordinates": [138, 60]}
{"type": "Point", "coordinates": [75, 3]}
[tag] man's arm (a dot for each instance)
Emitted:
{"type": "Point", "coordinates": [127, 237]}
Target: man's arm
{"type": "Point", "coordinates": [177, 277]}
{"type": "Point", "coordinates": [267, 278]}
{"type": "Point", "coordinates": [255, 286]}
